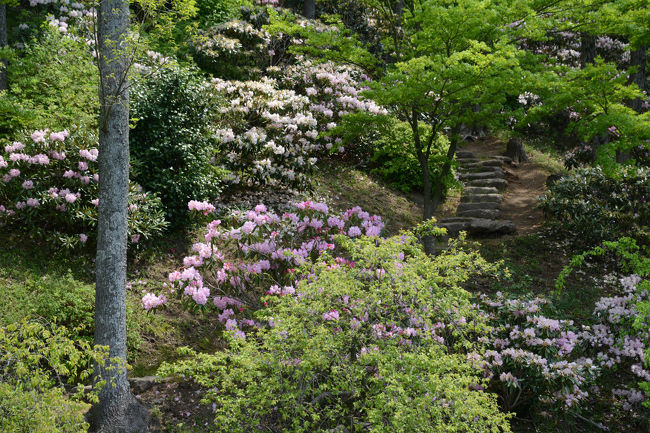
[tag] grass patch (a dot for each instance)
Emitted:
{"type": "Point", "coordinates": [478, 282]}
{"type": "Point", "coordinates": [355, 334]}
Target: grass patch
{"type": "Point", "coordinates": [38, 284]}
{"type": "Point", "coordinates": [345, 187]}
{"type": "Point", "coordinates": [546, 156]}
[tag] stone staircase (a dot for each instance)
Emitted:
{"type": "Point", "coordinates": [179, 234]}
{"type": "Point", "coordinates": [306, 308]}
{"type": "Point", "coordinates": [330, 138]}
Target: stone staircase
{"type": "Point", "coordinates": [478, 212]}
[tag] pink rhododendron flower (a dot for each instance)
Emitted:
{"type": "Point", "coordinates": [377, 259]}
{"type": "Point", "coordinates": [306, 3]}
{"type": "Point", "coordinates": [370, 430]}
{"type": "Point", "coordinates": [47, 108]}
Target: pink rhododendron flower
{"type": "Point", "coordinates": [331, 315]}
{"type": "Point", "coordinates": [150, 301]}
{"type": "Point", "coordinates": [32, 202]}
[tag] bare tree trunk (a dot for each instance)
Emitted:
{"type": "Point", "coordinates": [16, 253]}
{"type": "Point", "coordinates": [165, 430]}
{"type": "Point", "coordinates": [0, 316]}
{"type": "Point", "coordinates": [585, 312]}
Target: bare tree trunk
{"type": "Point", "coordinates": [117, 410]}
{"type": "Point", "coordinates": [446, 169]}
{"type": "Point", "coordinates": [309, 9]}
{"type": "Point", "coordinates": [427, 241]}
{"type": "Point", "coordinates": [515, 150]}
{"type": "Point", "coordinates": [4, 79]}
{"type": "Point", "coordinates": [399, 7]}
{"type": "Point", "coordinates": [638, 59]}
{"type": "Point", "coordinates": [433, 195]}
{"type": "Point", "coordinates": [587, 49]}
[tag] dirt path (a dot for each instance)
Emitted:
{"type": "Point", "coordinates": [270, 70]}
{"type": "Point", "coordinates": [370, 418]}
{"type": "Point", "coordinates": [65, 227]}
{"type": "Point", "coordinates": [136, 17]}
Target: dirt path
{"type": "Point", "coordinates": [526, 182]}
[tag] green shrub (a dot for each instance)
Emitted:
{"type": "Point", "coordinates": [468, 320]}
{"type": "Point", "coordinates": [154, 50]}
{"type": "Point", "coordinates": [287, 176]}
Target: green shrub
{"type": "Point", "coordinates": [395, 161]}
{"type": "Point", "coordinates": [37, 363]}
{"type": "Point", "coordinates": [173, 142]}
{"type": "Point", "coordinates": [596, 207]}
{"type": "Point", "coordinates": [376, 344]}
{"type": "Point", "coordinates": [212, 12]}
{"type": "Point", "coordinates": [68, 302]}
{"type": "Point", "coordinates": [52, 84]}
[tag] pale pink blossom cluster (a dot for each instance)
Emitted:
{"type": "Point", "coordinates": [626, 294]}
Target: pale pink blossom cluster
{"type": "Point", "coordinates": [269, 248]}
{"type": "Point", "coordinates": [150, 301]}
{"type": "Point", "coordinates": [560, 359]}
{"type": "Point", "coordinates": [37, 176]}
{"type": "Point", "coordinates": [201, 206]}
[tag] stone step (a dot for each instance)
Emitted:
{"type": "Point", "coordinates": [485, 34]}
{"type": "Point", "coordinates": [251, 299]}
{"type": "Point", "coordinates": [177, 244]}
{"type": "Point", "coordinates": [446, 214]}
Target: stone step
{"type": "Point", "coordinates": [464, 154]}
{"type": "Point", "coordinates": [467, 161]}
{"type": "Point", "coordinates": [497, 183]}
{"type": "Point", "coordinates": [482, 175]}
{"type": "Point", "coordinates": [503, 158]}
{"type": "Point", "coordinates": [481, 169]}
{"type": "Point", "coordinates": [480, 190]}
{"type": "Point", "coordinates": [492, 163]}
{"type": "Point", "coordinates": [481, 198]}
{"type": "Point", "coordinates": [477, 226]}
{"type": "Point", "coordinates": [472, 206]}
{"type": "Point", "coordinates": [486, 163]}
{"type": "Point", "coordinates": [490, 214]}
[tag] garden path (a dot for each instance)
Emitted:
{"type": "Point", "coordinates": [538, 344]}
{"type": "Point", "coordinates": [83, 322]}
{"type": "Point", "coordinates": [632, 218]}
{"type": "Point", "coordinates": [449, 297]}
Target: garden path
{"type": "Point", "coordinates": [499, 197]}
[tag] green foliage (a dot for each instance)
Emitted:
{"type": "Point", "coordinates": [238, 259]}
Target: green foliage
{"type": "Point", "coordinates": [333, 358]}
{"type": "Point", "coordinates": [213, 12]}
{"type": "Point", "coordinates": [394, 157]}
{"type": "Point", "coordinates": [65, 301]}
{"type": "Point", "coordinates": [53, 84]}
{"type": "Point", "coordinates": [163, 25]}
{"type": "Point", "coordinates": [37, 362]}
{"type": "Point", "coordinates": [325, 40]}
{"type": "Point", "coordinates": [596, 207]}
{"type": "Point", "coordinates": [173, 140]}
{"type": "Point", "coordinates": [596, 95]}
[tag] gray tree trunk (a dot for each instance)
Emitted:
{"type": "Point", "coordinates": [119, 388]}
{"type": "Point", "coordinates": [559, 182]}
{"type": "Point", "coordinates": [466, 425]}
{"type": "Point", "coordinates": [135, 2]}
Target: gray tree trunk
{"type": "Point", "coordinates": [309, 9]}
{"type": "Point", "coordinates": [432, 194]}
{"type": "Point", "coordinates": [587, 49]}
{"type": "Point", "coordinates": [638, 59]}
{"type": "Point", "coordinates": [515, 150]}
{"type": "Point", "coordinates": [4, 79]}
{"type": "Point", "coordinates": [117, 410]}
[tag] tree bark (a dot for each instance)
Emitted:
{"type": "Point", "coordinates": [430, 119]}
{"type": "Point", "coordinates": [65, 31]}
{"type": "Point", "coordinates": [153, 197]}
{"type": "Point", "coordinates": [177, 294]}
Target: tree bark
{"type": "Point", "coordinates": [117, 409]}
{"type": "Point", "coordinates": [309, 9]}
{"type": "Point", "coordinates": [433, 195]}
{"type": "Point", "coordinates": [587, 49]}
{"type": "Point", "coordinates": [638, 59]}
{"type": "Point", "coordinates": [428, 242]}
{"type": "Point", "coordinates": [515, 150]}
{"type": "Point", "coordinates": [4, 78]}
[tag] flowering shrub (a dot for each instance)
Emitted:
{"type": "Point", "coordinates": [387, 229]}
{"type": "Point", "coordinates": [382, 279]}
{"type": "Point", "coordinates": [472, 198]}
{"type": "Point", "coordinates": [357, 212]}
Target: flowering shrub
{"type": "Point", "coordinates": [334, 91]}
{"type": "Point", "coordinates": [275, 136]}
{"type": "Point", "coordinates": [533, 359]}
{"type": "Point", "coordinates": [622, 334]}
{"type": "Point", "coordinates": [49, 187]}
{"type": "Point", "coordinates": [270, 134]}
{"type": "Point", "coordinates": [173, 141]}
{"type": "Point", "coordinates": [352, 345]}
{"type": "Point", "coordinates": [597, 207]}
{"type": "Point", "coordinates": [268, 248]}
{"type": "Point", "coordinates": [552, 366]}
{"type": "Point", "coordinates": [240, 48]}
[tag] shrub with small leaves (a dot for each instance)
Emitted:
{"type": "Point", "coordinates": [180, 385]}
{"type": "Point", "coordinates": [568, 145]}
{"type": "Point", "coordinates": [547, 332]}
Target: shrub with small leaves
{"type": "Point", "coordinates": [39, 364]}
{"type": "Point", "coordinates": [374, 344]}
